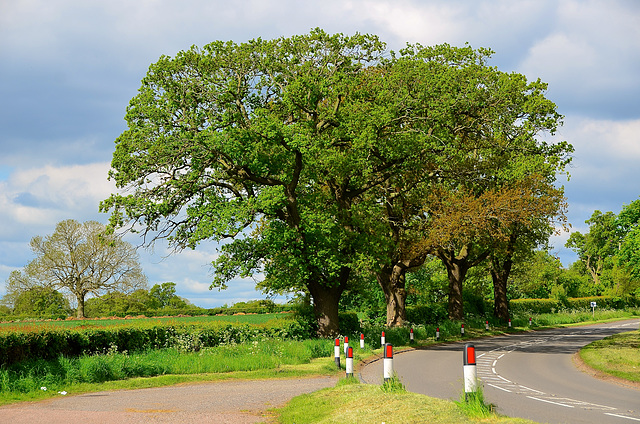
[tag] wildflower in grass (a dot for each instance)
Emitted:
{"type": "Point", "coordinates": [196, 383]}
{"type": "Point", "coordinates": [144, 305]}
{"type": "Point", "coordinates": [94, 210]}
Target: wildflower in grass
{"type": "Point", "coordinates": [63, 392]}
{"type": "Point", "coordinates": [44, 389]}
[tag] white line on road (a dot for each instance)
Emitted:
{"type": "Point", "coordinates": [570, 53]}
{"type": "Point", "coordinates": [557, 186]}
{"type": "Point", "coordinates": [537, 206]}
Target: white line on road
{"type": "Point", "coordinates": [499, 388]}
{"type": "Point", "coordinates": [548, 401]}
{"type": "Point", "coordinates": [533, 390]}
{"type": "Point", "coordinates": [622, 416]}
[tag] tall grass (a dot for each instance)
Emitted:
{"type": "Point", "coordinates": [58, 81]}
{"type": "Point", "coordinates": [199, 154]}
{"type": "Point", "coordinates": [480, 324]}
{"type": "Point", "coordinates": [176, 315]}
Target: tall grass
{"type": "Point", "coordinates": [62, 373]}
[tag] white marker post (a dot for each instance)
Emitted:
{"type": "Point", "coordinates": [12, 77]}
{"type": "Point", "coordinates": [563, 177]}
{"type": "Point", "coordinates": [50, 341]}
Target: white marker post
{"type": "Point", "coordinates": [361, 341]}
{"type": "Point", "coordinates": [382, 339]}
{"type": "Point", "coordinates": [530, 322]}
{"type": "Point", "coordinates": [437, 333]}
{"type": "Point", "coordinates": [346, 344]}
{"type": "Point", "coordinates": [486, 325]}
{"type": "Point", "coordinates": [509, 322]}
{"type": "Point", "coordinates": [462, 330]}
{"type": "Point", "coordinates": [469, 369]}
{"type": "Point", "coordinates": [388, 362]}
{"type": "Point", "coordinates": [336, 351]}
{"type": "Point", "coordinates": [349, 362]}
{"type": "Point", "coordinates": [411, 336]}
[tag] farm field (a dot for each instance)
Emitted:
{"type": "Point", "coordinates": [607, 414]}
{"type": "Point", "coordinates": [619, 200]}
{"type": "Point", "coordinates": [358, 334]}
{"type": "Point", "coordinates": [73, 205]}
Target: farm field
{"type": "Point", "coordinates": [113, 321]}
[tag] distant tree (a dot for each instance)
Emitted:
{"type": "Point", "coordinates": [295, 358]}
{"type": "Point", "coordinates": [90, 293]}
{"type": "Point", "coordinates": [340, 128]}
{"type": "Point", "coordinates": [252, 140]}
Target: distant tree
{"type": "Point", "coordinates": [164, 296]}
{"type": "Point", "coordinates": [597, 248]}
{"type": "Point", "coordinates": [628, 221]}
{"type": "Point", "coordinates": [41, 301]}
{"type": "Point", "coordinates": [81, 259]}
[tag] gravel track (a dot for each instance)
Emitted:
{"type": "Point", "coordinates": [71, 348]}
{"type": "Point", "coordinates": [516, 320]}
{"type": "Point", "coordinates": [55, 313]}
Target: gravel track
{"type": "Point", "coordinates": [228, 402]}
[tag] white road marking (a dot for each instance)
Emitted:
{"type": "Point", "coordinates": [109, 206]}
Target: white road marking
{"type": "Point", "coordinates": [622, 416]}
{"type": "Point", "coordinates": [499, 388]}
{"type": "Point", "coordinates": [548, 401]}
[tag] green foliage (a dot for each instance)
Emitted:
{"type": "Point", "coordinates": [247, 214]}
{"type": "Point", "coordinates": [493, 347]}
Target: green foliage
{"type": "Point", "coordinates": [41, 302]}
{"type": "Point", "coordinates": [48, 343]}
{"type": "Point", "coordinates": [62, 372]}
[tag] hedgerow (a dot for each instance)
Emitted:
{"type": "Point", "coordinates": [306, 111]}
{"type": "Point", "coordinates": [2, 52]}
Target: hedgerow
{"type": "Point", "coordinates": [50, 343]}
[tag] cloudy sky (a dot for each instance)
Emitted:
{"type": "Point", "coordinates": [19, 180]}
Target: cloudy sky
{"type": "Point", "coordinates": [68, 69]}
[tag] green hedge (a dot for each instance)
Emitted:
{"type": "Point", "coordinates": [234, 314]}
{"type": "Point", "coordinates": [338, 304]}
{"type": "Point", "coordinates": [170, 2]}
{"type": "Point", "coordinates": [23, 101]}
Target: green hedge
{"type": "Point", "coordinates": [546, 306]}
{"type": "Point", "coordinates": [50, 343]}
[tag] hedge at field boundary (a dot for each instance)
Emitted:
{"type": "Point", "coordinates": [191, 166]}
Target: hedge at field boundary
{"type": "Point", "coordinates": [547, 306]}
{"type": "Point", "coordinates": [50, 343]}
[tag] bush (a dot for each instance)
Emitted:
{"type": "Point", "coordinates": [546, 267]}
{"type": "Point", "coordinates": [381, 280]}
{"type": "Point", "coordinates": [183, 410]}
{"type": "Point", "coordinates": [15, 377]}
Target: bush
{"type": "Point", "coordinates": [49, 343]}
{"type": "Point", "coordinates": [434, 314]}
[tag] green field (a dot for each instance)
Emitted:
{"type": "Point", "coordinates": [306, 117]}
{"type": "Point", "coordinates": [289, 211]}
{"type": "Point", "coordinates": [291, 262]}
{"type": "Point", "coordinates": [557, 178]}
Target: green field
{"type": "Point", "coordinates": [110, 322]}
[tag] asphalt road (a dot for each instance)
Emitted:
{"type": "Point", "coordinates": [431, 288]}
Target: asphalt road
{"type": "Point", "coordinates": [225, 402]}
{"type": "Point", "coordinates": [528, 375]}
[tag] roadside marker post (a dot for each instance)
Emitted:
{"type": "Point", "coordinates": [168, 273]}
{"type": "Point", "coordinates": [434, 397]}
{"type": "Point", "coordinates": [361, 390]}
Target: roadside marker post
{"type": "Point", "coordinates": [509, 322]}
{"type": "Point", "coordinates": [411, 336]}
{"type": "Point", "coordinates": [346, 344]}
{"type": "Point", "coordinates": [530, 322]}
{"type": "Point", "coordinates": [486, 325]}
{"type": "Point", "coordinates": [361, 341]}
{"type": "Point", "coordinates": [462, 330]}
{"type": "Point", "coordinates": [336, 351]}
{"type": "Point", "coordinates": [349, 363]}
{"type": "Point", "coordinates": [388, 362]}
{"type": "Point", "coordinates": [382, 339]}
{"type": "Point", "coordinates": [469, 369]}
{"type": "Point", "coordinates": [593, 309]}
{"type": "Point", "coordinates": [437, 333]}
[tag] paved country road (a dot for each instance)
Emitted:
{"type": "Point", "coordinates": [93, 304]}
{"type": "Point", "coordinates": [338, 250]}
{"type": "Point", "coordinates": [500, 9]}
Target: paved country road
{"type": "Point", "coordinates": [227, 402]}
{"type": "Point", "coordinates": [530, 375]}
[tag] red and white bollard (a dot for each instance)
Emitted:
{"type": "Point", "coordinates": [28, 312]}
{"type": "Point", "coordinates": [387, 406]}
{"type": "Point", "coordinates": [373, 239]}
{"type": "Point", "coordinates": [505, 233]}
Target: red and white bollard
{"type": "Point", "coordinates": [361, 341]}
{"type": "Point", "coordinates": [437, 333]}
{"type": "Point", "coordinates": [382, 339]}
{"type": "Point", "coordinates": [509, 322]}
{"type": "Point", "coordinates": [411, 336]}
{"type": "Point", "coordinates": [346, 344]}
{"type": "Point", "coordinates": [388, 362]}
{"type": "Point", "coordinates": [349, 362]}
{"type": "Point", "coordinates": [529, 322]}
{"type": "Point", "coordinates": [469, 369]}
{"type": "Point", "coordinates": [336, 351]}
{"type": "Point", "coordinates": [486, 325]}
{"type": "Point", "coordinates": [462, 330]}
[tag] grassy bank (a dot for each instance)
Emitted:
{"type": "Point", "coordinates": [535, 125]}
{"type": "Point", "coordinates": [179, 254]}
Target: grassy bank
{"type": "Point", "coordinates": [363, 403]}
{"type": "Point", "coordinates": [618, 355]}
{"type": "Point", "coordinates": [37, 379]}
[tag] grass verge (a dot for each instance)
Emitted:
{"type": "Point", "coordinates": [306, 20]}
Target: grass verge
{"type": "Point", "coordinates": [616, 355]}
{"type": "Point", "coordinates": [39, 379]}
{"type": "Point", "coordinates": [363, 403]}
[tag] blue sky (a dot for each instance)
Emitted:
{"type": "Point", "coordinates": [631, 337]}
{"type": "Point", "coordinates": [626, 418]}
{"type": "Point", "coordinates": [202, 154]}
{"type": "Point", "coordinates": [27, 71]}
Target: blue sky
{"type": "Point", "coordinates": [68, 69]}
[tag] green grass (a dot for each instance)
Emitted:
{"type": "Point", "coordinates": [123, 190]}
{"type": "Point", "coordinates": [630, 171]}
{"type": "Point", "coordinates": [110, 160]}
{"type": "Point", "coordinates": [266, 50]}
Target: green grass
{"type": "Point", "coordinates": [110, 322]}
{"type": "Point", "coordinates": [24, 381]}
{"type": "Point", "coordinates": [617, 355]}
{"type": "Point", "coordinates": [364, 403]}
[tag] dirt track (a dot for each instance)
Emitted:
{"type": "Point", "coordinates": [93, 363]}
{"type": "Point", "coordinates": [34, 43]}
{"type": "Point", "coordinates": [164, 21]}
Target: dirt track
{"type": "Point", "coordinates": [229, 402]}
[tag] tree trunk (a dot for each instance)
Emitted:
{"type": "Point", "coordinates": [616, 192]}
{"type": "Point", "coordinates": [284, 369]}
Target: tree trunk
{"type": "Point", "coordinates": [500, 301]}
{"type": "Point", "coordinates": [392, 281]}
{"type": "Point", "coordinates": [325, 307]}
{"type": "Point", "coordinates": [456, 273]}
{"type": "Point", "coordinates": [80, 310]}
{"type": "Point", "coordinates": [500, 271]}
{"type": "Point", "coordinates": [457, 267]}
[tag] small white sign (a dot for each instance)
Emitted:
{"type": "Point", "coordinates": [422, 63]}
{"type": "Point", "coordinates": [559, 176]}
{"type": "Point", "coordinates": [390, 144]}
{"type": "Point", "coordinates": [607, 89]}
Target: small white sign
{"type": "Point", "coordinates": [593, 304]}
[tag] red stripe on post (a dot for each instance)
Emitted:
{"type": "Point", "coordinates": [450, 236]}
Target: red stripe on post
{"type": "Point", "coordinates": [350, 352]}
{"type": "Point", "coordinates": [469, 354]}
{"type": "Point", "coordinates": [337, 342]}
{"type": "Point", "coordinates": [388, 351]}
